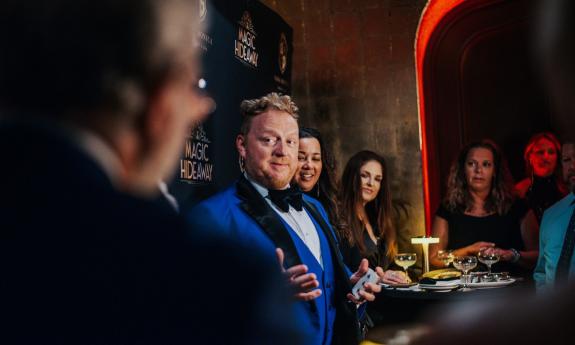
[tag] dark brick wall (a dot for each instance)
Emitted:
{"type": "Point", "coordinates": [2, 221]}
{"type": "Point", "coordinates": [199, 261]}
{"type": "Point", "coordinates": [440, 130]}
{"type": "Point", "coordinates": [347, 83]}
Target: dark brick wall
{"type": "Point", "coordinates": [354, 79]}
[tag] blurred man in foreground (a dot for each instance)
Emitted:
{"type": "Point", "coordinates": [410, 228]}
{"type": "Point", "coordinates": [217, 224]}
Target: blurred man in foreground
{"type": "Point", "coordinates": [96, 98]}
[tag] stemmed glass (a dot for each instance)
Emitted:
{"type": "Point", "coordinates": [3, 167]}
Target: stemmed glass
{"type": "Point", "coordinates": [405, 260]}
{"type": "Point", "coordinates": [465, 264]}
{"type": "Point", "coordinates": [488, 257]}
{"type": "Point", "coordinates": [445, 256]}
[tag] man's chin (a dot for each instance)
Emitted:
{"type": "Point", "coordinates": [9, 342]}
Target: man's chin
{"type": "Point", "coordinates": [277, 182]}
{"type": "Point", "coordinates": [271, 181]}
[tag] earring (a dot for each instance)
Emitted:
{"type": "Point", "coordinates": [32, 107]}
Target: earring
{"type": "Point", "coordinates": [242, 164]}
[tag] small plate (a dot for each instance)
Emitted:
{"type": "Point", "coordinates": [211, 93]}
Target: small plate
{"type": "Point", "coordinates": [443, 274]}
{"type": "Point", "coordinates": [438, 287]}
{"type": "Point", "coordinates": [441, 285]}
{"type": "Point", "coordinates": [400, 286]}
{"type": "Point", "coordinates": [499, 283]}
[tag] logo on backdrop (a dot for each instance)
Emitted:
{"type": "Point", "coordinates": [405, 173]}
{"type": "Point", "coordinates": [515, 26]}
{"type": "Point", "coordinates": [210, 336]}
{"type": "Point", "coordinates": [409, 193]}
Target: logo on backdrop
{"type": "Point", "coordinates": [282, 85]}
{"type": "Point", "coordinates": [282, 53]}
{"type": "Point", "coordinates": [245, 45]}
{"type": "Point", "coordinates": [196, 166]}
{"type": "Point", "coordinates": [203, 10]}
{"type": "Point", "coordinates": [205, 41]}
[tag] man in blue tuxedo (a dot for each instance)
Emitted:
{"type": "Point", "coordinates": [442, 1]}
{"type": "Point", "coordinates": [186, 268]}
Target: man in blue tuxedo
{"type": "Point", "coordinates": [96, 98]}
{"type": "Point", "coordinates": [263, 211]}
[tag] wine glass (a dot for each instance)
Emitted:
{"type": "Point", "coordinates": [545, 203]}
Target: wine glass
{"type": "Point", "coordinates": [488, 257]}
{"type": "Point", "coordinates": [405, 260]}
{"type": "Point", "coordinates": [465, 264]}
{"type": "Point", "coordinates": [445, 256]}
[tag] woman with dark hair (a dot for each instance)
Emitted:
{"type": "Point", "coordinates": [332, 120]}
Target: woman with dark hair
{"type": "Point", "coordinates": [315, 174]}
{"type": "Point", "coordinates": [544, 185]}
{"type": "Point", "coordinates": [366, 228]}
{"type": "Point", "coordinates": [479, 211]}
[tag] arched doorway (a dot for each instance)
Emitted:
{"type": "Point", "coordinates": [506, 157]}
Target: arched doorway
{"type": "Point", "coordinates": [475, 79]}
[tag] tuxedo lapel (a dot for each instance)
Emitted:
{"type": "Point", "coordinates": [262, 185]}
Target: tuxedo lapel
{"type": "Point", "coordinates": [334, 249]}
{"type": "Point", "coordinates": [256, 207]}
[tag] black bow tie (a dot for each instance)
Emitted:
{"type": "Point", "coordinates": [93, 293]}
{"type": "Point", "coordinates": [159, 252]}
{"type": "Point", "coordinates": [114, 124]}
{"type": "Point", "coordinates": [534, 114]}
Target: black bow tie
{"type": "Point", "coordinates": [285, 197]}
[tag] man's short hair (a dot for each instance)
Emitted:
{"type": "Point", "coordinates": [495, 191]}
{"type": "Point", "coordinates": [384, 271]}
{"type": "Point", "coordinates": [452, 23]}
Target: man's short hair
{"type": "Point", "coordinates": [67, 56]}
{"type": "Point", "coordinates": [251, 108]}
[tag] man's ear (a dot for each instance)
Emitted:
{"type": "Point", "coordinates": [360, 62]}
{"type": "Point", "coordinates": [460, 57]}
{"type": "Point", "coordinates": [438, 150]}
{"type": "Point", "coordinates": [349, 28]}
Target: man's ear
{"type": "Point", "coordinates": [241, 145]}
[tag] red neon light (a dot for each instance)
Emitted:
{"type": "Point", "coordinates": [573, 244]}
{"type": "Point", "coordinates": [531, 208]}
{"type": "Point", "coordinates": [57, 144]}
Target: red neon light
{"type": "Point", "coordinates": [432, 15]}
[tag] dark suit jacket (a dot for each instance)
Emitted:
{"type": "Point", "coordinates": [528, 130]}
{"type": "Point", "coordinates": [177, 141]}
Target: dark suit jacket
{"type": "Point", "coordinates": [241, 213]}
{"type": "Point", "coordinates": [82, 263]}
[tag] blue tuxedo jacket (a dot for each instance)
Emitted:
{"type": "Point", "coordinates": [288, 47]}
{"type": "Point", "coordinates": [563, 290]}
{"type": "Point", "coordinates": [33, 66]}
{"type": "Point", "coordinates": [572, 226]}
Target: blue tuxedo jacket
{"type": "Point", "coordinates": [242, 213]}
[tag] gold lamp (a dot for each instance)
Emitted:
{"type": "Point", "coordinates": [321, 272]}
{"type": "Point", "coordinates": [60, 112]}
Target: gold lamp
{"type": "Point", "coordinates": [425, 241]}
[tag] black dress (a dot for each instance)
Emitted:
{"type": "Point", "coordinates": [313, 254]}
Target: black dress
{"type": "Point", "coordinates": [374, 253]}
{"type": "Point", "coordinates": [503, 230]}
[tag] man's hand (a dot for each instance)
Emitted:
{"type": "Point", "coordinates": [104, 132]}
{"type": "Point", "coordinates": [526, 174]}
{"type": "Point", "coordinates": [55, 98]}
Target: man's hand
{"type": "Point", "coordinates": [368, 294]}
{"type": "Point", "coordinates": [304, 284]}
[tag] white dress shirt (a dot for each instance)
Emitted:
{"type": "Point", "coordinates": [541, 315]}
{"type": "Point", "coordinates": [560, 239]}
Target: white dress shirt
{"type": "Point", "coordinates": [299, 221]}
{"type": "Point", "coordinates": [163, 187]}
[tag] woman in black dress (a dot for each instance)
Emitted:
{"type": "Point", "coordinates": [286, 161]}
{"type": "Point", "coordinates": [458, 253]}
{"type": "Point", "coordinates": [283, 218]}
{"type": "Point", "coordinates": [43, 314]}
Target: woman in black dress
{"type": "Point", "coordinates": [479, 211]}
{"type": "Point", "coordinates": [544, 185]}
{"type": "Point", "coordinates": [366, 228]}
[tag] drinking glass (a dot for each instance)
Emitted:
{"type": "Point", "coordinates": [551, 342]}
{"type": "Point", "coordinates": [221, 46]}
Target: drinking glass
{"type": "Point", "coordinates": [465, 264]}
{"type": "Point", "coordinates": [405, 260]}
{"type": "Point", "coordinates": [488, 257]}
{"type": "Point", "coordinates": [445, 256]}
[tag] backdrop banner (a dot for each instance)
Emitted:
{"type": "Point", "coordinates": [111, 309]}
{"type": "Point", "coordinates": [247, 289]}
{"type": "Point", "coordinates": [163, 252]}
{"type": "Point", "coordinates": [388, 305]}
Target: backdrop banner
{"type": "Point", "coordinates": [246, 53]}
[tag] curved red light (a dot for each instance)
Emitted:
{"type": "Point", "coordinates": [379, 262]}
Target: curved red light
{"type": "Point", "coordinates": [434, 12]}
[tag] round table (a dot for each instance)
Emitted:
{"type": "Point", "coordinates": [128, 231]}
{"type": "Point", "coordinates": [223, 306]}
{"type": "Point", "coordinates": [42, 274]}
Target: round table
{"type": "Point", "coordinates": [400, 306]}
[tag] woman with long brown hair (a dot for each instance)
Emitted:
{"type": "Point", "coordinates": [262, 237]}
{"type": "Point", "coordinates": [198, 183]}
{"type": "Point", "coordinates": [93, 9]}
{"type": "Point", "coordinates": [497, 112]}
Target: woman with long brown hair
{"type": "Point", "coordinates": [366, 228]}
{"type": "Point", "coordinates": [479, 211]}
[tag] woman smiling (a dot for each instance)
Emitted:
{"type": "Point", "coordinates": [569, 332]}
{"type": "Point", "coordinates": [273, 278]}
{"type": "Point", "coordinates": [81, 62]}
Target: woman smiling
{"type": "Point", "coordinates": [315, 173]}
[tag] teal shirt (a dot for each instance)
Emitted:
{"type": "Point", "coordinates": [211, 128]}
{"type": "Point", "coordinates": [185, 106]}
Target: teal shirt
{"type": "Point", "coordinates": [551, 236]}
